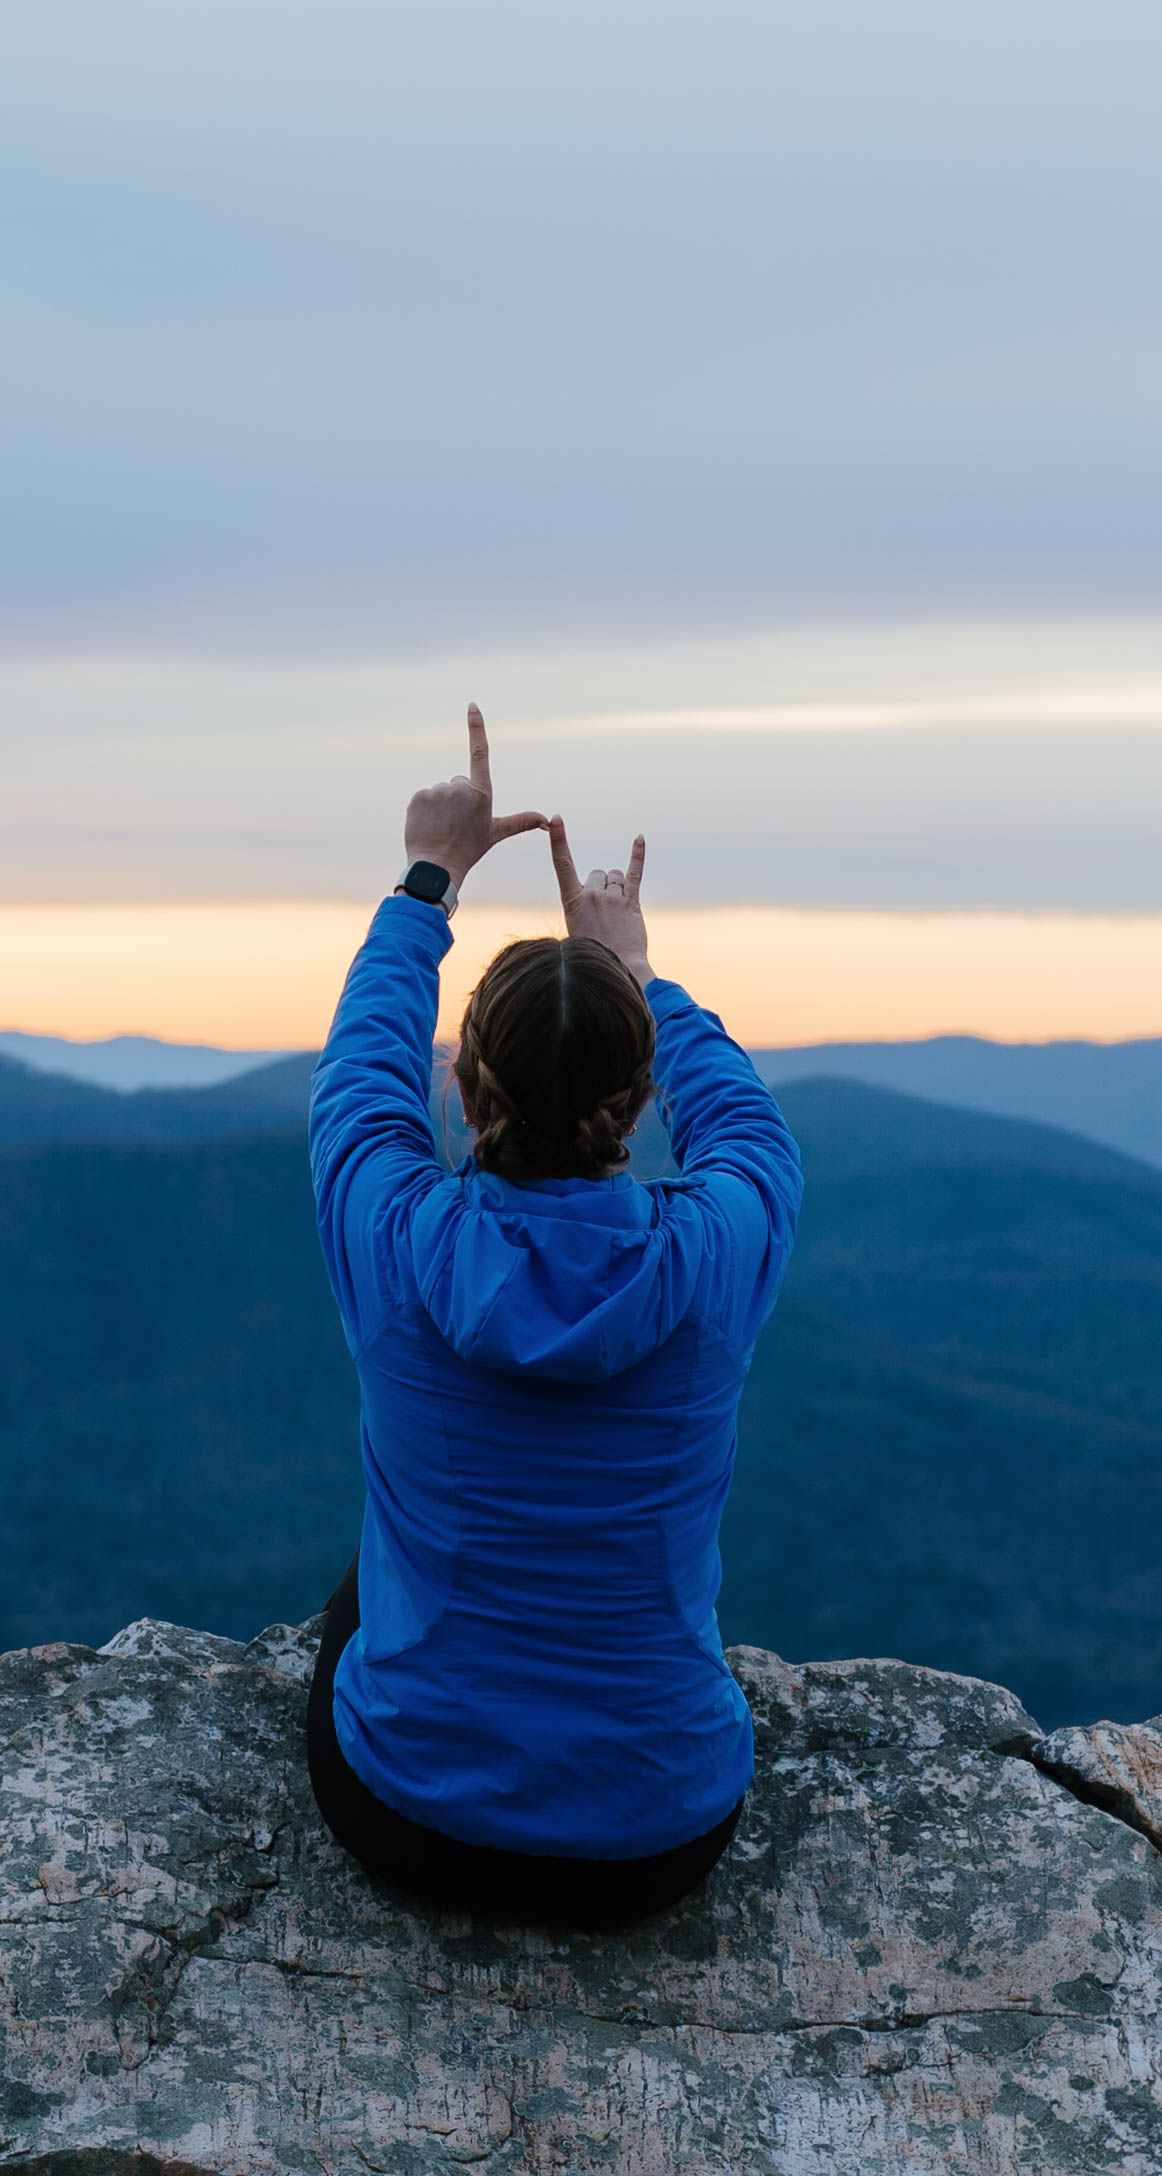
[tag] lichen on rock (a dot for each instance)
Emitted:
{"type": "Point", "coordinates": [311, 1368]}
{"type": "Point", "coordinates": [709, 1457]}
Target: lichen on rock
{"type": "Point", "coordinates": [1115, 1765]}
{"type": "Point", "coordinates": [925, 1951]}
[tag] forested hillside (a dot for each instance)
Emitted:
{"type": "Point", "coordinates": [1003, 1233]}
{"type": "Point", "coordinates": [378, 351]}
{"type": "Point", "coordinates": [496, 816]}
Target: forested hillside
{"type": "Point", "coordinates": [949, 1442]}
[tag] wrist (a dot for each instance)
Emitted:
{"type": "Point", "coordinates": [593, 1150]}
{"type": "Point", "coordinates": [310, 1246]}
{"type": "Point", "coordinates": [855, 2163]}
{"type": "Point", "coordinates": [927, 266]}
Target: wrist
{"type": "Point", "coordinates": [640, 969]}
{"type": "Point", "coordinates": [455, 864]}
{"type": "Point", "coordinates": [433, 882]}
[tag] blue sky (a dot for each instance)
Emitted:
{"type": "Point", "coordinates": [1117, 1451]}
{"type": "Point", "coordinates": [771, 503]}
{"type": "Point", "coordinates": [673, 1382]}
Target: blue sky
{"type": "Point", "coordinates": [362, 326]}
{"type": "Point", "coordinates": [754, 408]}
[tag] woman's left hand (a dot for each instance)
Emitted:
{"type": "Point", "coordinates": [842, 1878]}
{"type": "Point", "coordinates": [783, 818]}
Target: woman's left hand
{"type": "Point", "coordinates": [452, 823]}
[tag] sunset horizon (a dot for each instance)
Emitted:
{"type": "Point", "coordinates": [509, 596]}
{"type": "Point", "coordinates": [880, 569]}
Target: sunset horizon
{"type": "Point", "coordinates": [256, 974]}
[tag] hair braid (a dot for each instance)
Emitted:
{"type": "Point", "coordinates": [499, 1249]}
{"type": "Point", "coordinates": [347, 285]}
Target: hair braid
{"type": "Point", "coordinates": [555, 1059]}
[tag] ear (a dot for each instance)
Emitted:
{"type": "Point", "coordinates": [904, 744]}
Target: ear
{"type": "Point", "coordinates": [466, 1107]}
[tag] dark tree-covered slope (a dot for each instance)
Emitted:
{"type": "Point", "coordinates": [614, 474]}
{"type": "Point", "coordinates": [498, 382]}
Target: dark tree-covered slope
{"type": "Point", "coordinates": [950, 1437]}
{"type": "Point", "coordinates": [37, 1106]}
{"type": "Point", "coordinates": [1112, 1091]}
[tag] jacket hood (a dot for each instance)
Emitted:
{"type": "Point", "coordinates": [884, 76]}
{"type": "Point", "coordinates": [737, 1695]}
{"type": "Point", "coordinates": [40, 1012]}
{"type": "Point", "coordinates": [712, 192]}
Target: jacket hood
{"type": "Point", "coordinates": [569, 1278]}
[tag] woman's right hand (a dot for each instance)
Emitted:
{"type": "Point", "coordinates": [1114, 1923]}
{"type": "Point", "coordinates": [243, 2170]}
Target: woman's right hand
{"type": "Point", "coordinates": [606, 905]}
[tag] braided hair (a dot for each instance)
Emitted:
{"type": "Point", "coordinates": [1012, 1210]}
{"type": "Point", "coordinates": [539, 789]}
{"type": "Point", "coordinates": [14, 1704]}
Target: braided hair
{"type": "Point", "coordinates": [555, 1059]}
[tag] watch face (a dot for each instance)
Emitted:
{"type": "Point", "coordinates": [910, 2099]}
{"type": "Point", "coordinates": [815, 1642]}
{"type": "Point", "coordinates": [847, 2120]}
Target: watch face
{"type": "Point", "coordinates": [426, 880]}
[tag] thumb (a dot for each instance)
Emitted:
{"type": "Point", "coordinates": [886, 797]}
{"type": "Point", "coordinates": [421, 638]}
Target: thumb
{"type": "Point", "coordinates": [507, 827]}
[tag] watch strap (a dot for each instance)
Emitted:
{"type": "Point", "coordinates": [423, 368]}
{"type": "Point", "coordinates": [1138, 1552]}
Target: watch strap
{"type": "Point", "coordinates": [447, 898]}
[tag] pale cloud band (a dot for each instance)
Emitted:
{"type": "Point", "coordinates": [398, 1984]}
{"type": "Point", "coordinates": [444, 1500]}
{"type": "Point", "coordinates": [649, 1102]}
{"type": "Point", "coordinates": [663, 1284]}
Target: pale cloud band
{"type": "Point", "coordinates": [978, 765]}
{"type": "Point", "coordinates": [851, 831]}
{"type": "Point", "coordinates": [1126, 704]}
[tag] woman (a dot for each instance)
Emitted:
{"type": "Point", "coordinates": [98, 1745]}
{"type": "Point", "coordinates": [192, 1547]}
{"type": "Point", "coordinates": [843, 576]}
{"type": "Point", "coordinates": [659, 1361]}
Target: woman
{"type": "Point", "coordinates": [520, 1701]}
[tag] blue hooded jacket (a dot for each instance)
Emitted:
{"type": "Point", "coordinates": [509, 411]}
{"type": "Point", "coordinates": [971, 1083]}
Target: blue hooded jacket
{"type": "Point", "coordinates": [550, 1375]}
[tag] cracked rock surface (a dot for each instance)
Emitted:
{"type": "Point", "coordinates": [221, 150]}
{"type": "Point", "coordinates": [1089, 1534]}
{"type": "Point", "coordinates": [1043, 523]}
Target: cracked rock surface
{"type": "Point", "coordinates": [1115, 1765]}
{"type": "Point", "coordinates": [927, 1950]}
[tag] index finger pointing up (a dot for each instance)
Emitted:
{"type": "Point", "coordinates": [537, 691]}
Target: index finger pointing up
{"type": "Point", "coordinates": [635, 865]}
{"type": "Point", "coordinates": [478, 770]}
{"type": "Point", "coordinates": [567, 877]}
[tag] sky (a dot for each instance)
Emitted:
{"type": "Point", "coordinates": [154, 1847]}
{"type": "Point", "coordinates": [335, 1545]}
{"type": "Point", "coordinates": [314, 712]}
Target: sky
{"type": "Point", "coordinates": [754, 409]}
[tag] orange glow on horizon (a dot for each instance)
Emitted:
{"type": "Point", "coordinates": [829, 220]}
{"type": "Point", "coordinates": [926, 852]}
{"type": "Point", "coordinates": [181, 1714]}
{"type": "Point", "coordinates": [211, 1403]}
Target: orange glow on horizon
{"type": "Point", "coordinates": [267, 974]}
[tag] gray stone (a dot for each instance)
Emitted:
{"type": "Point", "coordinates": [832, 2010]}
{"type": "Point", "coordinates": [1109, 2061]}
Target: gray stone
{"type": "Point", "coordinates": [1115, 1765]}
{"type": "Point", "coordinates": [921, 1954]}
{"type": "Point", "coordinates": [804, 1706]}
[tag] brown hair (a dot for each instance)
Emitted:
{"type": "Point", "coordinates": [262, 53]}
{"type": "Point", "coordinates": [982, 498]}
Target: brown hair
{"type": "Point", "coordinates": [555, 1058]}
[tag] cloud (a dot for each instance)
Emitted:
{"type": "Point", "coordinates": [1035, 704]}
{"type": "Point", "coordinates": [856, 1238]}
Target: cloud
{"type": "Point", "coordinates": [365, 324]}
{"type": "Point", "coordinates": [974, 766]}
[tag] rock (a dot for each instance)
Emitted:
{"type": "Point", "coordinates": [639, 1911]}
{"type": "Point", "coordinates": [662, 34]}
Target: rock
{"type": "Point", "coordinates": [1115, 1765]}
{"type": "Point", "coordinates": [922, 1953]}
{"type": "Point", "coordinates": [803, 1707]}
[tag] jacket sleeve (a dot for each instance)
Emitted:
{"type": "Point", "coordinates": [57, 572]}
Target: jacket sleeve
{"type": "Point", "coordinates": [735, 1152]}
{"type": "Point", "coordinates": [372, 1148]}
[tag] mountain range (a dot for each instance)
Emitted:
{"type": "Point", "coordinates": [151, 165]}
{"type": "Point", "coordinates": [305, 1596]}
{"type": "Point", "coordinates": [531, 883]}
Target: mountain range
{"type": "Point", "coordinates": [949, 1439]}
{"type": "Point", "coordinates": [1110, 1091]}
{"type": "Point", "coordinates": [132, 1061]}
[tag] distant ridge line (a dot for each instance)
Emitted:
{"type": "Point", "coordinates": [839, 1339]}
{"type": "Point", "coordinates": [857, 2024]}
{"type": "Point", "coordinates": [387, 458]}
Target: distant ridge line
{"type": "Point", "coordinates": [129, 1062]}
{"type": "Point", "coordinates": [1107, 1096]}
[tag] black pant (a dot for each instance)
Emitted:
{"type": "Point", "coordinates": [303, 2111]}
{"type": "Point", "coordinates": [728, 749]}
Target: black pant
{"type": "Point", "coordinates": [501, 1884]}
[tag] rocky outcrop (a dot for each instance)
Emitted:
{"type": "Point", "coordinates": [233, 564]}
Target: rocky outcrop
{"type": "Point", "coordinates": [934, 1946]}
{"type": "Point", "coordinates": [1115, 1765]}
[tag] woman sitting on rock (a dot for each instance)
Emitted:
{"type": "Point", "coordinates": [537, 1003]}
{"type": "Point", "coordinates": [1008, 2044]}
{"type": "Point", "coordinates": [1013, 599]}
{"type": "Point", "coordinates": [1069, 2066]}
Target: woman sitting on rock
{"type": "Point", "coordinates": [520, 1703]}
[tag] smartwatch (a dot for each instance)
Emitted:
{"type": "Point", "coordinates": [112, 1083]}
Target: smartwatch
{"type": "Point", "coordinates": [426, 880]}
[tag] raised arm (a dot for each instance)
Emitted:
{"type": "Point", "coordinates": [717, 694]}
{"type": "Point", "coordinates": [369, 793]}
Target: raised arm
{"type": "Point", "coordinates": [729, 1137]}
{"type": "Point", "coordinates": [369, 1132]}
{"type": "Point", "coordinates": [372, 1149]}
